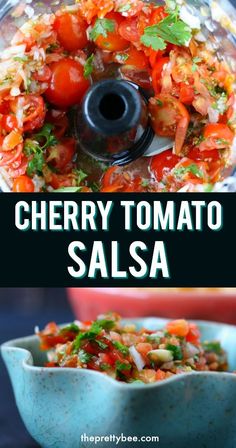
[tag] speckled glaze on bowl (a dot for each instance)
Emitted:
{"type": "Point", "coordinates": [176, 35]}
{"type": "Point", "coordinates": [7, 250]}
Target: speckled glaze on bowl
{"type": "Point", "coordinates": [58, 405]}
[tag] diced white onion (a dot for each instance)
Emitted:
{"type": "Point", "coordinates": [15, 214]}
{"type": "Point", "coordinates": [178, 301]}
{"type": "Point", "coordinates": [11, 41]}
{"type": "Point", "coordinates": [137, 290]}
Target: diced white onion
{"type": "Point", "coordinates": [15, 91]}
{"type": "Point", "coordinates": [190, 350]}
{"type": "Point", "coordinates": [213, 115]}
{"type": "Point", "coordinates": [188, 18]}
{"type": "Point", "coordinates": [29, 11]}
{"type": "Point", "coordinates": [137, 358]}
{"type": "Point", "coordinates": [161, 355]}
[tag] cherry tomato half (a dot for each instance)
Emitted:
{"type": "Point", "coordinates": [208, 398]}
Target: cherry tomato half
{"type": "Point", "coordinates": [60, 156]}
{"type": "Point", "coordinates": [68, 84]}
{"type": "Point", "coordinates": [162, 163]}
{"type": "Point", "coordinates": [71, 31]}
{"type": "Point", "coordinates": [216, 136]}
{"type": "Point", "coordinates": [186, 94]}
{"type": "Point", "coordinates": [156, 73]}
{"type": "Point", "coordinates": [128, 30]}
{"type": "Point", "coordinates": [60, 121]}
{"type": "Point", "coordinates": [169, 117]}
{"type": "Point", "coordinates": [132, 57]}
{"type": "Point", "coordinates": [23, 184]}
{"type": "Point", "coordinates": [113, 41]}
{"type": "Point", "coordinates": [9, 122]}
{"type": "Point", "coordinates": [43, 75]}
{"type": "Point", "coordinates": [218, 131]}
{"type": "Point", "coordinates": [196, 154]}
{"type": "Point", "coordinates": [34, 111]}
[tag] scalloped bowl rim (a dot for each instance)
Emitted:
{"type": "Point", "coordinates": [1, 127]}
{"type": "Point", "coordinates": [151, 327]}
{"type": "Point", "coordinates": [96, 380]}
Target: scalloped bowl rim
{"type": "Point", "coordinates": [9, 346]}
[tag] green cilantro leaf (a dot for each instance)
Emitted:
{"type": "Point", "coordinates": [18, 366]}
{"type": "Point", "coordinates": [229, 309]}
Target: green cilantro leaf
{"type": "Point", "coordinates": [101, 344]}
{"type": "Point", "coordinates": [105, 366]}
{"type": "Point", "coordinates": [122, 57]}
{"type": "Point", "coordinates": [171, 29]}
{"type": "Point", "coordinates": [21, 59]}
{"type": "Point", "coordinates": [96, 328]}
{"type": "Point", "coordinates": [47, 136]}
{"type": "Point", "coordinates": [124, 8]}
{"type": "Point", "coordinates": [71, 328]}
{"type": "Point", "coordinates": [104, 324]}
{"type": "Point", "coordinates": [176, 351]}
{"type": "Point", "coordinates": [101, 28]}
{"type": "Point", "coordinates": [193, 168]}
{"type": "Point", "coordinates": [81, 175]}
{"type": "Point", "coordinates": [152, 40]}
{"type": "Point", "coordinates": [35, 165]}
{"type": "Point", "coordinates": [213, 346]}
{"type": "Point", "coordinates": [84, 357]}
{"type": "Point", "coordinates": [121, 347]}
{"type": "Point", "coordinates": [68, 190]}
{"type": "Point", "coordinates": [121, 366]}
{"type": "Point", "coordinates": [88, 67]}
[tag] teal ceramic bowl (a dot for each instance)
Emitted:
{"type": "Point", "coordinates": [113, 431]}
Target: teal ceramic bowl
{"type": "Point", "coordinates": [59, 405]}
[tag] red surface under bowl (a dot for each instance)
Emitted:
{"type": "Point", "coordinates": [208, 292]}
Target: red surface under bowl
{"type": "Point", "coordinates": [198, 303]}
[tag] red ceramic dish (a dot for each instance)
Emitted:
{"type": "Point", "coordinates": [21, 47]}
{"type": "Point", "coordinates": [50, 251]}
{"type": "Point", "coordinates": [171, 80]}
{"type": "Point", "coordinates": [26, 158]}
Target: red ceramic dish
{"type": "Point", "coordinates": [218, 304]}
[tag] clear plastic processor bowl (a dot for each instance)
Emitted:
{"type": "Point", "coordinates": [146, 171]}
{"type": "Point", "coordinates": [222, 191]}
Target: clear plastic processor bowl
{"type": "Point", "coordinates": [218, 20]}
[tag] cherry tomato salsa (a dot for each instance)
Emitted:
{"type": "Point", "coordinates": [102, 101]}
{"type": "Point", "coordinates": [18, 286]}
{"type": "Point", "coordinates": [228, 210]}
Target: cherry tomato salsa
{"type": "Point", "coordinates": [51, 63]}
{"type": "Point", "coordinates": [129, 354]}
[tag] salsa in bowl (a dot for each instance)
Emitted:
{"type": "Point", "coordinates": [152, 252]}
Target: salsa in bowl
{"type": "Point", "coordinates": [81, 401]}
{"type": "Point", "coordinates": [58, 53]}
{"type": "Point", "coordinates": [130, 354]}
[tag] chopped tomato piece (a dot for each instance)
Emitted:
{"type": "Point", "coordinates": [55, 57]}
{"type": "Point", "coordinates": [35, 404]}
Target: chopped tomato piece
{"type": "Point", "coordinates": [169, 118]}
{"type": "Point", "coordinates": [163, 163]}
{"type": "Point", "coordinates": [128, 30]}
{"type": "Point", "coordinates": [23, 184]}
{"type": "Point", "coordinates": [34, 111]}
{"type": "Point", "coordinates": [179, 327]}
{"type": "Point", "coordinates": [9, 122]}
{"type": "Point", "coordinates": [216, 136]}
{"type": "Point", "coordinates": [132, 57]}
{"type": "Point", "coordinates": [12, 140]}
{"type": "Point", "coordinates": [71, 31]}
{"type": "Point", "coordinates": [60, 155]}
{"type": "Point", "coordinates": [193, 335]}
{"type": "Point", "coordinates": [157, 72]}
{"type": "Point", "coordinates": [186, 94]}
{"type": "Point", "coordinates": [43, 75]}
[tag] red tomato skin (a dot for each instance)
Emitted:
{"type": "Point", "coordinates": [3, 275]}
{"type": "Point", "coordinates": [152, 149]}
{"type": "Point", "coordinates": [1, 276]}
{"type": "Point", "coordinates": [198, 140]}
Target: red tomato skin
{"type": "Point", "coordinates": [135, 58]}
{"type": "Point", "coordinates": [156, 73]}
{"type": "Point", "coordinates": [178, 327]}
{"type": "Point", "coordinates": [158, 15]}
{"type": "Point", "coordinates": [218, 131]}
{"type": "Point", "coordinates": [193, 335]}
{"type": "Point", "coordinates": [163, 162]}
{"type": "Point", "coordinates": [62, 154]}
{"type": "Point", "coordinates": [43, 75]}
{"type": "Point", "coordinates": [9, 122]}
{"type": "Point", "coordinates": [23, 184]}
{"type": "Point", "coordinates": [186, 94]}
{"type": "Point", "coordinates": [68, 84]}
{"type": "Point", "coordinates": [35, 108]}
{"type": "Point", "coordinates": [128, 29]}
{"type": "Point", "coordinates": [71, 31]}
{"type": "Point", "coordinates": [196, 154]}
